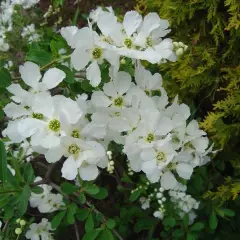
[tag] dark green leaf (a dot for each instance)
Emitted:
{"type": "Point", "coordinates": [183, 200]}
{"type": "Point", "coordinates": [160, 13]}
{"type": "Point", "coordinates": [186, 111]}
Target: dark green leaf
{"type": "Point", "coordinates": [169, 221]}
{"type": "Point", "coordinates": [82, 198]}
{"type": "Point", "coordinates": [12, 180]}
{"type": "Point", "coordinates": [3, 161]}
{"type": "Point", "coordinates": [71, 211]}
{"type": "Point", "coordinates": [82, 214]}
{"type": "Point", "coordinates": [106, 235]}
{"type": "Point", "coordinates": [91, 189]}
{"type": "Point", "coordinates": [28, 173]}
{"type": "Point", "coordinates": [69, 74]}
{"type": "Point", "coordinates": [69, 188]}
{"type": "Point", "coordinates": [190, 237]}
{"type": "Point", "coordinates": [102, 194]}
{"type": "Point", "coordinates": [185, 221]}
{"type": "Point", "coordinates": [144, 223]}
{"type": "Point", "coordinates": [110, 223]}
{"type": "Point", "coordinates": [8, 212]}
{"type": "Point", "coordinates": [86, 86]}
{"type": "Point", "coordinates": [228, 212]}
{"type": "Point", "coordinates": [197, 226]}
{"type": "Point", "coordinates": [75, 18]}
{"type": "Point", "coordinates": [23, 200]}
{"type": "Point", "coordinates": [91, 235]}
{"type": "Point", "coordinates": [39, 56]}
{"type": "Point", "coordinates": [213, 221]}
{"type": "Point", "coordinates": [5, 78]}
{"type": "Point", "coordinates": [57, 219]}
{"type": "Point", "coordinates": [135, 194]}
{"type": "Point", "coordinates": [37, 190]}
{"type": "Point", "coordinates": [89, 225]}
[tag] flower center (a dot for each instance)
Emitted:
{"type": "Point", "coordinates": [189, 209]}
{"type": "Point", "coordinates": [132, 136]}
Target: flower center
{"type": "Point", "coordinates": [128, 43]}
{"type": "Point", "coordinates": [54, 125]}
{"type": "Point", "coordinates": [73, 149]}
{"type": "Point", "coordinates": [189, 145]}
{"type": "Point", "coordinates": [97, 53]}
{"type": "Point", "coordinates": [150, 137]}
{"type": "Point", "coordinates": [117, 114]}
{"type": "Point", "coordinates": [37, 116]}
{"type": "Point", "coordinates": [161, 156]}
{"type": "Point", "coordinates": [118, 102]}
{"type": "Point", "coordinates": [149, 42]}
{"type": "Point", "coordinates": [75, 134]}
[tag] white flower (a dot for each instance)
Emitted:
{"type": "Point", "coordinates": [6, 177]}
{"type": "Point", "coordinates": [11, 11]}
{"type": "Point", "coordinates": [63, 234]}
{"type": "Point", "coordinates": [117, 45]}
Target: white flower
{"type": "Point", "coordinates": [145, 203]}
{"type": "Point", "coordinates": [40, 230]}
{"type": "Point", "coordinates": [50, 203]}
{"type": "Point", "coordinates": [95, 14]}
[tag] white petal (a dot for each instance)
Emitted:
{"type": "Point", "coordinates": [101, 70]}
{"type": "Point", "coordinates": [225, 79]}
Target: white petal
{"type": "Point", "coordinates": [30, 73]}
{"type": "Point", "coordinates": [149, 166]}
{"type": "Point", "coordinates": [68, 33]}
{"type": "Point", "coordinates": [106, 23]}
{"type": "Point", "coordinates": [99, 99]}
{"type": "Point", "coordinates": [131, 22]}
{"type": "Point", "coordinates": [148, 154]}
{"type": "Point", "coordinates": [89, 172]}
{"type": "Point", "coordinates": [151, 21]}
{"type": "Point", "coordinates": [83, 39]}
{"type": "Point", "coordinates": [28, 126]}
{"type": "Point", "coordinates": [50, 141]}
{"type": "Point", "coordinates": [168, 181]}
{"type": "Point", "coordinates": [109, 89]}
{"type": "Point", "coordinates": [53, 77]}
{"type": "Point", "coordinates": [69, 169]}
{"type": "Point", "coordinates": [93, 74]}
{"type": "Point", "coordinates": [13, 110]}
{"type": "Point", "coordinates": [54, 154]}
{"type": "Point", "coordinates": [154, 176]}
{"type": "Point", "coordinates": [122, 82]}
{"type": "Point", "coordinates": [165, 126]}
{"type": "Point", "coordinates": [20, 94]}
{"type": "Point", "coordinates": [80, 58]}
{"type": "Point", "coordinates": [184, 170]}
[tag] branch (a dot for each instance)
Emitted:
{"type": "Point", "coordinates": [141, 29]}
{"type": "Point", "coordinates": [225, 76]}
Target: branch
{"type": "Point", "coordinates": [76, 230]}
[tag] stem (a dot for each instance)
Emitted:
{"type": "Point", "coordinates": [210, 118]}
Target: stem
{"type": "Point", "coordinates": [76, 230]}
{"type": "Point", "coordinates": [54, 61]}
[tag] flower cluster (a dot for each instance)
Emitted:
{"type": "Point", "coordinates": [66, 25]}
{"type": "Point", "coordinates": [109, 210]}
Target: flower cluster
{"type": "Point", "coordinates": [30, 34]}
{"type": "Point", "coordinates": [47, 201]}
{"type": "Point", "coordinates": [135, 37]}
{"type": "Point", "coordinates": [40, 230]}
{"type": "Point", "coordinates": [6, 14]}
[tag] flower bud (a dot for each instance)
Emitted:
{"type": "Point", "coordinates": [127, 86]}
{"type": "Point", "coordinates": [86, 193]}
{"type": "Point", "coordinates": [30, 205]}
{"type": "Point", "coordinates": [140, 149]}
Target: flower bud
{"type": "Point", "coordinates": [18, 220]}
{"type": "Point", "coordinates": [18, 231]}
{"type": "Point", "coordinates": [179, 52]}
{"type": "Point", "coordinates": [123, 61]}
{"type": "Point", "coordinates": [22, 222]}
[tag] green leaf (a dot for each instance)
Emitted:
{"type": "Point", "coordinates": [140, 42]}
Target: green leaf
{"type": "Point", "coordinates": [3, 162]}
{"type": "Point", "coordinates": [91, 235]}
{"type": "Point", "coordinates": [91, 189]}
{"type": "Point", "coordinates": [86, 86]}
{"type": "Point", "coordinates": [169, 221]}
{"type": "Point", "coordinates": [185, 221]}
{"type": "Point", "coordinates": [197, 226]}
{"type": "Point", "coordinates": [89, 225]}
{"type": "Point", "coordinates": [178, 233]}
{"type": "Point", "coordinates": [23, 200]}
{"type": "Point", "coordinates": [213, 221]}
{"type": "Point", "coordinates": [82, 214]}
{"type": "Point", "coordinates": [102, 194]}
{"type": "Point", "coordinates": [28, 173]}
{"type": "Point", "coordinates": [135, 194]}
{"type": "Point", "coordinates": [106, 235]}
{"type": "Point", "coordinates": [57, 219]}
{"type": "Point", "coordinates": [82, 198]}
{"type": "Point", "coordinates": [190, 237]}
{"type": "Point", "coordinates": [69, 188]}
{"type": "Point", "coordinates": [39, 56]}
{"type": "Point", "coordinates": [71, 211]}
{"type": "Point", "coordinates": [144, 223]}
{"type": "Point", "coordinates": [110, 223]}
{"type": "Point", "coordinates": [4, 200]}
{"type": "Point", "coordinates": [69, 74]}
{"type": "Point", "coordinates": [228, 212]}
{"type": "Point", "coordinates": [5, 78]}
{"type": "Point", "coordinates": [37, 190]}
{"type": "Point", "coordinates": [8, 212]}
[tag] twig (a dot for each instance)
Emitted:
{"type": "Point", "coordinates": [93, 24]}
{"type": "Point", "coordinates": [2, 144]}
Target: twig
{"type": "Point", "coordinates": [5, 226]}
{"type": "Point", "coordinates": [76, 230]}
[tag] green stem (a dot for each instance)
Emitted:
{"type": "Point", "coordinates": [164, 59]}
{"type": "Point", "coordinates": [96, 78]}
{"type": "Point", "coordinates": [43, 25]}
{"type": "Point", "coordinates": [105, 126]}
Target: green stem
{"type": "Point", "coordinates": [54, 62]}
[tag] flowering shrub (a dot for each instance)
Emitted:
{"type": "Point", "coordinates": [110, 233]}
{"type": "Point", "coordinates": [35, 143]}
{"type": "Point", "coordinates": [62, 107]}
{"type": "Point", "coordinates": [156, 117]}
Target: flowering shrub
{"type": "Point", "coordinates": [83, 109]}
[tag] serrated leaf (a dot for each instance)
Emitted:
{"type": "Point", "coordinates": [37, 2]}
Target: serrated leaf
{"type": "Point", "coordinates": [69, 188]}
{"type": "Point", "coordinates": [213, 221]}
{"type": "Point", "coordinates": [3, 163]}
{"type": "Point", "coordinates": [89, 225]}
{"type": "Point", "coordinates": [57, 219]}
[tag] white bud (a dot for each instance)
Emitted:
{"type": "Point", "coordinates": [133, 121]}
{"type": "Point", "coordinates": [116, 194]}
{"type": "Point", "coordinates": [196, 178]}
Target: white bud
{"type": "Point", "coordinates": [161, 189]}
{"type": "Point", "coordinates": [163, 199]}
{"type": "Point", "coordinates": [179, 52]}
{"type": "Point", "coordinates": [111, 163]}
